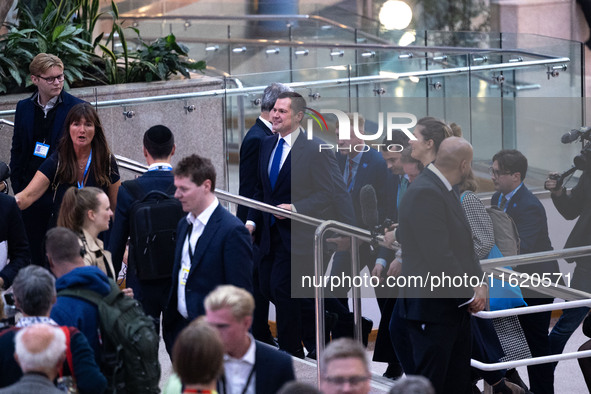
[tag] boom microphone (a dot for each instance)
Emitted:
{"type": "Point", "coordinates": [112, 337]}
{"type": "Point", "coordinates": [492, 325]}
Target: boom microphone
{"type": "Point", "coordinates": [574, 135]}
{"type": "Point", "coordinates": [369, 206]}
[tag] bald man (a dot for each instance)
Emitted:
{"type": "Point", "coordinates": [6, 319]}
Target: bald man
{"type": "Point", "coordinates": [431, 324]}
{"type": "Point", "coordinates": [40, 352]}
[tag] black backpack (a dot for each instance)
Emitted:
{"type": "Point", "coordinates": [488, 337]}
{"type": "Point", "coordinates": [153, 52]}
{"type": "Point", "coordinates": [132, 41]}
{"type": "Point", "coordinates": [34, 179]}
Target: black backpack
{"type": "Point", "coordinates": [128, 341]}
{"type": "Point", "coordinates": [153, 219]}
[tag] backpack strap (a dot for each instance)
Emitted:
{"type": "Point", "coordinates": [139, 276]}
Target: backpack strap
{"type": "Point", "coordinates": [91, 295]}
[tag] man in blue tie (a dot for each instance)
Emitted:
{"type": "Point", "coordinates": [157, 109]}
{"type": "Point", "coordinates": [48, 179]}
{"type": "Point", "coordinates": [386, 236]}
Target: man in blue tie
{"type": "Point", "coordinates": [294, 174]}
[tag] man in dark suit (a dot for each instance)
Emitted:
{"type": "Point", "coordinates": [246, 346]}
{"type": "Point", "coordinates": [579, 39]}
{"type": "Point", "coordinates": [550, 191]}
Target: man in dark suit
{"type": "Point", "coordinates": [213, 247]}
{"type": "Point", "coordinates": [359, 165]}
{"type": "Point", "coordinates": [296, 175]}
{"type": "Point", "coordinates": [158, 150]}
{"type": "Point", "coordinates": [12, 230]}
{"type": "Point", "coordinates": [38, 127]}
{"type": "Point", "coordinates": [573, 204]}
{"type": "Point", "coordinates": [431, 326]}
{"type": "Point", "coordinates": [508, 172]}
{"type": "Point", "coordinates": [248, 362]}
{"type": "Point", "coordinates": [249, 164]}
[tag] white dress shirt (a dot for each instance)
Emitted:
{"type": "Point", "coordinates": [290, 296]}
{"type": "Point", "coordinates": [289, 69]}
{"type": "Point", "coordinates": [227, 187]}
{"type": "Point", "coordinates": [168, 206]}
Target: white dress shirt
{"type": "Point", "coordinates": [199, 224]}
{"type": "Point", "coordinates": [237, 371]}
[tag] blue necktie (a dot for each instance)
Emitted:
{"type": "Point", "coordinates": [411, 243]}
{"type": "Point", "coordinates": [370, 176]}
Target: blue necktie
{"type": "Point", "coordinates": [401, 190]}
{"type": "Point", "coordinates": [276, 164]}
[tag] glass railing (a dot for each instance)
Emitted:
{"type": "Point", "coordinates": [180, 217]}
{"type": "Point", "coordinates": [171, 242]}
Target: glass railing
{"type": "Point", "coordinates": [504, 90]}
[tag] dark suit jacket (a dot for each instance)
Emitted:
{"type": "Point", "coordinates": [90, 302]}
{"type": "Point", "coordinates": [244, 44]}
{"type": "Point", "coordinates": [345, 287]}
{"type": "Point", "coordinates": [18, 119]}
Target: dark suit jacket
{"type": "Point", "coordinates": [223, 255]}
{"type": "Point", "coordinates": [372, 170]}
{"type": "Point", "coordinates": [573, 205]}
{"type": "Point", "coordinates": [12, 230]}
{"type": "Point", "coordinates": [436, 239]}
{"type": "Point", "coordinates": [308, 181]}
{"type": "Point", "coordinates": [529, 216]}
{"type": "Point", "coordinates": [151, 180]}
{"type": "Point", "coordinates": [22, 140]}
{"type": "Point", "coordinates": [249, 163]}
{"type": "Point", "coordinates": [269, 359]}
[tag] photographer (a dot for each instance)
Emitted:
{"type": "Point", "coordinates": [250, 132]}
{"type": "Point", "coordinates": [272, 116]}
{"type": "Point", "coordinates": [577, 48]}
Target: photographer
{"type": "Point", "coordinates": [577, 203]}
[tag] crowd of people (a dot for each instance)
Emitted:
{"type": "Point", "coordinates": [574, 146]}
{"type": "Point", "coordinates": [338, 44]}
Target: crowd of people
{"type": "Point", "coordinates": [79, 268]}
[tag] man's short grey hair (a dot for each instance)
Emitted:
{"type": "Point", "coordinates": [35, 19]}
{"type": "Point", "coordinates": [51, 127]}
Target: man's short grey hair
{"type": "Point", "coordinates": [270, 95]}
{"type": "Point", "coordinates": [412, 384]}
{"type": "Point", "coordinates": [45, 359]}
{"type": "Point", "coordinates": [34, 290]}
{"type": "Point", "coordinates": [343, 348]}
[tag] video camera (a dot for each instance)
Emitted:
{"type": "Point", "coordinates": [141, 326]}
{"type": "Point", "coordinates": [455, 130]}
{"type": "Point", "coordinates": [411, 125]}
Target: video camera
{"type": "Point", "coordinates": [583, 160]}
{"type": "Point", "coordinates": [4, 171]}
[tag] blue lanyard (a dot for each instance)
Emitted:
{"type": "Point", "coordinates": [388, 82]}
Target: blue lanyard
{"type": "Point", "coordinates": [81, 184]}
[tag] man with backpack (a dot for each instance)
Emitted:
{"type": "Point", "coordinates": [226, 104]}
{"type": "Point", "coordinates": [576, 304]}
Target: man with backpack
{"type": "Point", "coordinates": [121, 335]}
{"type": "Point", "coordinates": [148, 214]}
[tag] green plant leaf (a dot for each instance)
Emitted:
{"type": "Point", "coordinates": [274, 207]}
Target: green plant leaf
{"type": "Point", "coordinates": [16, 75]}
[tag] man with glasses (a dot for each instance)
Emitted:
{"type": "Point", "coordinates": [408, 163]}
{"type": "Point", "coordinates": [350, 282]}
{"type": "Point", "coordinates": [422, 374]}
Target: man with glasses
{"type": "Point", "coordinates": [38, 127]}
{"type": "Point", "coordinates": [508, 172]}
{"type": "Point", "coordinates": [344, 368]}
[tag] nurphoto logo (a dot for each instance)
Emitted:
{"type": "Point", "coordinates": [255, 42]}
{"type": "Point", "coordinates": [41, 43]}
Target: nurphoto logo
{"type": "Point", "coordinates": [393, 122]}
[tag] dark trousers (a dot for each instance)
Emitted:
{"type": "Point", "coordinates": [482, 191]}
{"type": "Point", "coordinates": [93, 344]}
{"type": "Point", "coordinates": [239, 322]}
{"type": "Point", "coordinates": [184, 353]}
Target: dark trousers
{"type": "Point", "coordinates": [439, 351]}
{"type": "Point", "coordinates": [535, 327]}
{"type": "Point", "coordinates": [151, 294]}
{"type": "Point", "coordinates": [260, 320]}
{"type": "Point", "coordinates": [275, 284]}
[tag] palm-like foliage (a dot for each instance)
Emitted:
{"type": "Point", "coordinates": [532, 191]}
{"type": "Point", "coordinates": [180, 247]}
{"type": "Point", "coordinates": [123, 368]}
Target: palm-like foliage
{"type": "Point", "coordinates": [65, 29]}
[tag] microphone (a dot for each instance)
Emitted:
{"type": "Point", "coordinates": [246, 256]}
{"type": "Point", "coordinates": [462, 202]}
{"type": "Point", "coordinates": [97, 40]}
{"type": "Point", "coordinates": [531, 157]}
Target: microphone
{"type": "Point", "coordinates": [571, 136]}
{"type": "Point", "coordinates": [574, 134]}
{"type": "Point", "coordinates": [369, 206]}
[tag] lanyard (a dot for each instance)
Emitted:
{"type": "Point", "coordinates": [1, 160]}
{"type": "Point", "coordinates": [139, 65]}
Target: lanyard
{"type": "Point", "coordinates": [81, 184]}
{"type": "Point", "coordinates": [245, 386]}
{"type": "Point", "coordinates": [161, 168]}
{"type": "Point", "coordinates": [191, 251]}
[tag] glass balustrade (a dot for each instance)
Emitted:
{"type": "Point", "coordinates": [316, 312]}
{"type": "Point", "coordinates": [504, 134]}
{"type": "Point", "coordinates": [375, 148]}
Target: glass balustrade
{"type": "Point", "coordinates": [504, 90]}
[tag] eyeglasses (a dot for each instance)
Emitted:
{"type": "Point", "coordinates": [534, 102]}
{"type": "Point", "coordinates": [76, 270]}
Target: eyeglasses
{"type": "Point", "coordinates": [50, 80]}
{"type": "Point", "coordinates": [341, 380]}
{"type": "Point", "coordinates": [497, 173]}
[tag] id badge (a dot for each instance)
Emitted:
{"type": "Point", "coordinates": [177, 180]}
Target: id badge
{"type": "Point", "coordinates": [41, 150]}
{"type": "Point", "coordinates": [184, 276]}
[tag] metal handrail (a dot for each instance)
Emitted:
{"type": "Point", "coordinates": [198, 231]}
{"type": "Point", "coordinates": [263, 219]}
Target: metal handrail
{"type": "Point", "coordinates": [387, 44]}
{"type": "Point", "coordinates": [533, 360]}
{"type": "Point", "coordinates": [326, 82]}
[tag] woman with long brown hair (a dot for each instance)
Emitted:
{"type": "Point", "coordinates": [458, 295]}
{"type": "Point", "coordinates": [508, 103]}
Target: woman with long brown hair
{"type": "Point", "coordinates": [83, 158]}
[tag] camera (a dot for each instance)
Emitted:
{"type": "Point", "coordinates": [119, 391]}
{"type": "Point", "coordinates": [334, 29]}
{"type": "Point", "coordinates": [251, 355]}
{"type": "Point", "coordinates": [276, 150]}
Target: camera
{"type": "Point", "coordinates": [9, 311]}
{"type": "Point", "coordinates": [583, 160]}
{"type": "Point", "coordinates": [4, 171]}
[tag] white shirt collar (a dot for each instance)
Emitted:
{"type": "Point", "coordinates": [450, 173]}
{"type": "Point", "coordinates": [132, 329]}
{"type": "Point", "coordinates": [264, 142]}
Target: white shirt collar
{"type": "Point", "coordinates": [159, 165]}
{"type": "Point", "coordinates": [205, 215]}
{"type": "Point", "coordinates": [440, 176]}
{"type": "Point", "coordinates": [266, 122]}
{"type": "Point", "coordinates": [249, 356]}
